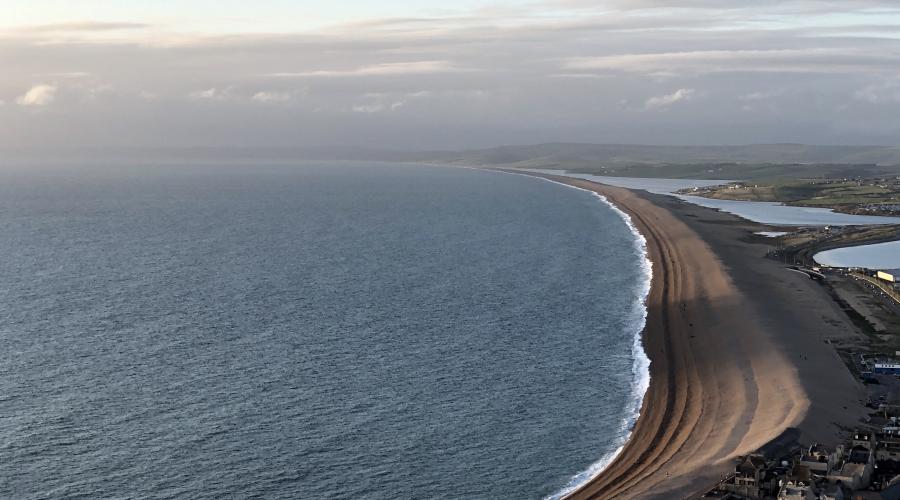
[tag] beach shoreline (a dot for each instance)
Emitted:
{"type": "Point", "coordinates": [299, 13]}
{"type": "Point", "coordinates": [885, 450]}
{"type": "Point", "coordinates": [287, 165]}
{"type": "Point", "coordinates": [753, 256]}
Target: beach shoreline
{"type": "Point", "coordinates": [724, 375]}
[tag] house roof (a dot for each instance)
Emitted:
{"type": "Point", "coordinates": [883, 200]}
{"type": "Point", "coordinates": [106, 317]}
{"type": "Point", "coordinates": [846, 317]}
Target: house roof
{"type": "Point", "coordinates": [850, 469]}
{"type": "Point", "coordinates": [751, 463]}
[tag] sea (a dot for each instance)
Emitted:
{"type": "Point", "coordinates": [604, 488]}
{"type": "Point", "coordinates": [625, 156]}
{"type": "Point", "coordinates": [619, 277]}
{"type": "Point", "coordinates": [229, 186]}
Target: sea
{"type": "Point", "coordinates": [318, 330]}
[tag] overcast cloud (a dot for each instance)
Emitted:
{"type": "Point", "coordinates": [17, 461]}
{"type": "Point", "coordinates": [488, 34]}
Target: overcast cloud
{"type": "Point", "coordinates": [636, 71]}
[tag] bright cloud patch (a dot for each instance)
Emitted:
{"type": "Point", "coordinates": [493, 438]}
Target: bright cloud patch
{"type": "Point", "coordinates": [39, 95]}
{"type": "Point", "coordinates": [272, 97]}
{"type": "Point", "coordinates": [384, 69]}
{"type": "Point", "coordinates": [664, 101]}
{"type": "Point", "coordinates": [632, 71]}
{"type": "Point", "coordinates": [212, 94]}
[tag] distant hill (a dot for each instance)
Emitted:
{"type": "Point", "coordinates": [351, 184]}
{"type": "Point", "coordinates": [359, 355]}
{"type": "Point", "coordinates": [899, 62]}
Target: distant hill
{"type": "Point", "coordinates": [758, 161]}
{"type": "Point", "coordinates": [750, 162]}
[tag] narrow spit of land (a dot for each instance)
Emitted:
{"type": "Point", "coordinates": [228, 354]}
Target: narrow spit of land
{"type": "Point", "coordinates": [723, 380]}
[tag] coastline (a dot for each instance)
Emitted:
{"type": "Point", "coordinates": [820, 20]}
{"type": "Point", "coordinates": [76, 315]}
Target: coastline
{"type": "Point", "coordinates": [641, 366]}
{"type": "Point", "coordinates": [724, 375]}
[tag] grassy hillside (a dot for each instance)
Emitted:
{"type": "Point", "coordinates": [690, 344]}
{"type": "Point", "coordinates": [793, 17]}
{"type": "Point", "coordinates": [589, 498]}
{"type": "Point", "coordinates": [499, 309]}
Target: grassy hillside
{"type": "Point", "coordinates": [760, 162]}
{"type": "Point", "coordinates": [752, 162]}
{"type": "Point", "coordinates": [878, 197]}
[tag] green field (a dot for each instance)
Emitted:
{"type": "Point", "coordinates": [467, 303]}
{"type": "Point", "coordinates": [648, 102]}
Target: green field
{"type": "Point", "coordinates": [763, 173]}
{"type": "Point", "coordinates": [869, 196]}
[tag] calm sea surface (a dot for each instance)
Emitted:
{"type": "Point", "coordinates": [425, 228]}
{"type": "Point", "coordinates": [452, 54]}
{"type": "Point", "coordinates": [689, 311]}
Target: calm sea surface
{"type": "Point", "coordinates": [875, 256]}
{"type": "Point", "coordinates": [319, 331]}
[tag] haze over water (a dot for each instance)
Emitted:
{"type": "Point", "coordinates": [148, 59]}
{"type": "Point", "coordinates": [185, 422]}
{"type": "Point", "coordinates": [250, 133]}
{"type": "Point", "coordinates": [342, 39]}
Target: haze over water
{"type": "Point", "coordinates": [322, 331]}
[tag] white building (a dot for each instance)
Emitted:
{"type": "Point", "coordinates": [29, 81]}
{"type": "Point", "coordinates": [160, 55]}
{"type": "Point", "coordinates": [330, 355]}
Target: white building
{"type": "Point", "coordinates": [796, 491]}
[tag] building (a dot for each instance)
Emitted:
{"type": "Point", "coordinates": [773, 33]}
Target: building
{"type": "Point", "coordinates": [889, 275]}
{"type": "Point", "coordinates": [748, 475]}
{"type": "Point", "coordinates": [796, 491]}
{"type": "Point", "coordinates": [886, 474]}
{"type": "Point", "coordinates": [887, 451]}
{"type": "Point", "coordinates": [886, 368]}
{"type": "Point", "coordinates": [854, 476]}
{"type": "Point", "coordinates": [832, 492]}
{"type": "Point", "coordinates": [862, 439]}
{"type": "Point", "coordinates": [889, 410]}
{"type": "Point", "coordinates": [819, 460]}
{"type": "Point", "coordinates": [888, 447]}
{"type": "Point", "coordinates": [856, 472]}
{"type": "Point", "coordinates": [752, 478]}
{"type": "Point", "coordinates": [891, 493]}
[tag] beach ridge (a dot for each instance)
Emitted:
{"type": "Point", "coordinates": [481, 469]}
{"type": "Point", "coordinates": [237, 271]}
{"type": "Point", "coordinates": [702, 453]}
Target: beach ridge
{"type": "Point", "coordinates": [719, 386]}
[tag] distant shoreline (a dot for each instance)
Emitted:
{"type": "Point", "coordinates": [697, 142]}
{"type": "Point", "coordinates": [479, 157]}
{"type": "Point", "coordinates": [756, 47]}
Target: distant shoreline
{"type": "Point", "coordinates": [723, 379]}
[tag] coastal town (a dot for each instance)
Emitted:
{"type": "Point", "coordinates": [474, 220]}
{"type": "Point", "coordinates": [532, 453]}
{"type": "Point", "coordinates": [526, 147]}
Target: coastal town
{"type": "Point", "coordinates": [476, 250]}
{"type": "Point", "coordinates": [866, 465]}
{"type": "Point", "coordinates": [835, 330]}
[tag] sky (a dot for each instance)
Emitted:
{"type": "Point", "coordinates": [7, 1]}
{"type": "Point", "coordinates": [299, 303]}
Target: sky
{"type": "Point", "coordinates": [447, 75]}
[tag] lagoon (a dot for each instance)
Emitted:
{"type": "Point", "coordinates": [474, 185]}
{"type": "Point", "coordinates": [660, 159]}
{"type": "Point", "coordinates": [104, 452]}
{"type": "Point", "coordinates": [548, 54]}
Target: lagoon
{"type": "Point", "coordinates": [771, 213]}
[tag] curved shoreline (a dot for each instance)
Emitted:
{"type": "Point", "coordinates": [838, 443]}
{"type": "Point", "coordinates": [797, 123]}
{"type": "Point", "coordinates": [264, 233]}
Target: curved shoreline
{"type": "Point", "coordinates": [641, 366]}
{"type": "Point", "coordinates": [719, 386]}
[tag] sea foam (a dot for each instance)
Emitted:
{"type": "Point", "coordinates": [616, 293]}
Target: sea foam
{"type": "Point", "coordinates": [641, 365]}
